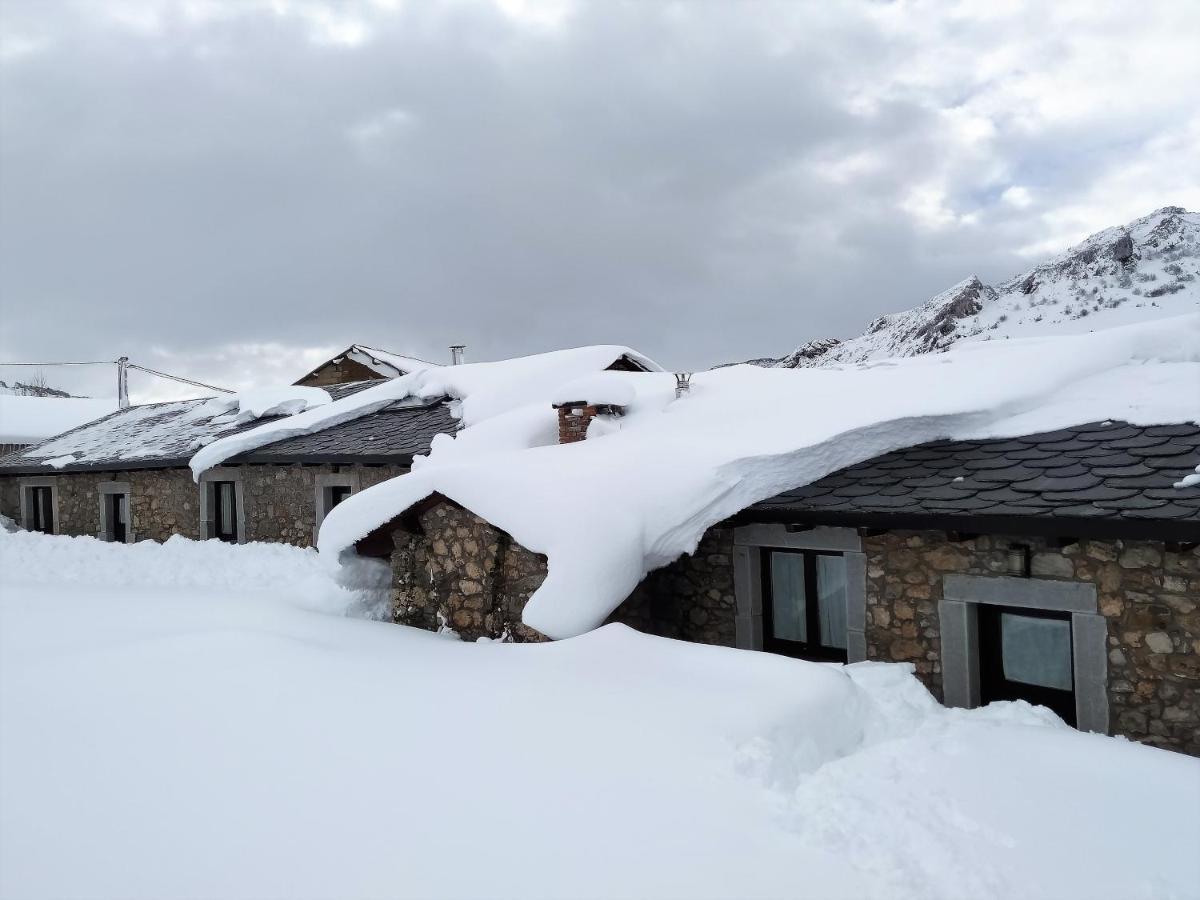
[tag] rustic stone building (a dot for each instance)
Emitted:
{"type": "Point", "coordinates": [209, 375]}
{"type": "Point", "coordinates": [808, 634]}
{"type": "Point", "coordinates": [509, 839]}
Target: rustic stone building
{"type": "Point", "coordinates": [1059, 568]}
{"type": "Point", "coordinates": [125, 477]}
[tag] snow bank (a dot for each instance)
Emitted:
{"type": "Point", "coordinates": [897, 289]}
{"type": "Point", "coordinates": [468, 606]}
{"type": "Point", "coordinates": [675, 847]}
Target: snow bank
{"type": "Point", "coordinates": [180, 563]}
{"type": "Point", "coordinates": [484, 390]}
{"type": "Point", "coordinates": [171, 717]}
{"type": "Point", "coordinates": [279, 400]}
{"type": "Point", "coordinates": [646, 493]}
{"type": "Point", "coordinates": [28, 420]}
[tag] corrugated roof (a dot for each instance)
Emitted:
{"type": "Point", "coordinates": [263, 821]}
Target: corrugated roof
{"type": "Point", "coordinates": [1111, 476]}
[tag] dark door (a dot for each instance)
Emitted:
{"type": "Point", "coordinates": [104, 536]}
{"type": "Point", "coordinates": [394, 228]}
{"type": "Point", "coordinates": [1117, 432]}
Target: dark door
{"type": "Point", "coordinates": [1027, 654]}
{"type": "Point", "coordinates": [225, 511]}
{"type": "Point", "coordinates": [118, 518]}
{"type": "Point", "coordinates": [804, 604]}
{"type": "Point", "coordinates": [42, 501]}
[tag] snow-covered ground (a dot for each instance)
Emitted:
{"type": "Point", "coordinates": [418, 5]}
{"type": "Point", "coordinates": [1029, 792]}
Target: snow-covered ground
{"type": "Point", "coordinates": [204, 720]}
{"type": "Point", "coordinates": [27, 420]}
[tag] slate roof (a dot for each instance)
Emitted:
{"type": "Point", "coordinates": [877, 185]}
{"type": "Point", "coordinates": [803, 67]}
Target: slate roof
{"type": "Point", "coordinates": [166, 435]}
{"type": "Point", "coordinates": [1105, 479]}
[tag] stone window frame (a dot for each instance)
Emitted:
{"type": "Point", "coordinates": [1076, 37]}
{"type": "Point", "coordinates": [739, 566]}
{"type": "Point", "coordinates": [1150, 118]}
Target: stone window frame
{"type": "Point", "coordinates": [25, 484]}
{"type": "Point", "coordinates": [221, 473]}
{"type": "Point", "coordinates": [321, 485]}
{"type": "Point", "coordinates": [106, 489]}
{"type": "Point", "coordinates": [749, 542]}
{"type": "Point", "coordinates": [958, 612]}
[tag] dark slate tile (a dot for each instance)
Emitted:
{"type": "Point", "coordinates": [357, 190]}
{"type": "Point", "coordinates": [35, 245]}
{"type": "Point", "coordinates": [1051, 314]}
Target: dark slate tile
{"type": "Point", "coordinates": [1080, 511]}
{"type": "Point", "coordinates": [1091, 495]}
{"type": "Point", "coordinates": [1169, 511]}
{"type": "Point", "coordinates": [927, 481]}
{"type": "Point", "coordinates": [1137, 501]}
{"type": "Point", "coordinates": [1009, 475]}
{"type": "Point", "coordinates": [1169, 448]}
{"type": "Point", "coordinates": [1138, 441]}
{"type": "Point", "coordinates": [1184, 430]}
{"type": "Point", "coordinates": [1082, 480]}
{"type": "Point", "coordinates": [1131, 471]}
{"type": "Point", "coordinates": [1032, 453]}
{"type": "Point", "coordinates": [987, 462]}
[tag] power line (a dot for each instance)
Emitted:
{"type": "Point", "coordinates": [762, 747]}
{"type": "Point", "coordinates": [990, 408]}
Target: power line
{"type": "Point", "coordinates": [102, 362]}
{"type": "Point", "coordinates": [179, 378]}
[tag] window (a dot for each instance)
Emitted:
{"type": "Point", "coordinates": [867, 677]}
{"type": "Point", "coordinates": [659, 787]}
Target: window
{"type": "Point", "coordinates": [224, 511]}
{"type": "Point", "coordinates": [804, 604]}
{"type": "Point", "coordinates": [40, 516]}
{"type": "Point", "coordinates": [337, 493]}
{"type": "Point", "coordinates": [1027, 654]}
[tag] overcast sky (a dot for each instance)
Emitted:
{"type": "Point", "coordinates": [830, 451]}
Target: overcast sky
{"type": "Point", "coordinates": [231, 189]}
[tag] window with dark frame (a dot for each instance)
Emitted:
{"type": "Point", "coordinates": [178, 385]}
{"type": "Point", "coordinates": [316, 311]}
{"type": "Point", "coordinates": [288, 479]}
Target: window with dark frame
{"type": "Point", "coordinates": [41, 509]}
{"type": "Point", "coordinates": [337, 493]}
{"type": "Point", "coordinates": [804, 604]}
{"type": "Point", "coordinates": [224, 511]}
{"type": "Point", "coordinates": [1027, 654]}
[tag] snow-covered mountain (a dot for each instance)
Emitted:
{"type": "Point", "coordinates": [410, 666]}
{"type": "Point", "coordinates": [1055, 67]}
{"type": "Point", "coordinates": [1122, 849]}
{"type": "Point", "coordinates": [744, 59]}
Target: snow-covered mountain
{"type": "Point", "coordinates": [1147, 269]}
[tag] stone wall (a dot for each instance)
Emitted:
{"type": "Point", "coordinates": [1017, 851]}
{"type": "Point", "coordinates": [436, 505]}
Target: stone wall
{"type": "Point", "coordinates": [1149, 596]}
{"type": "Point", "coordinates": [455, 569]}
{"type": "Point", "coordinates": [279, 500]}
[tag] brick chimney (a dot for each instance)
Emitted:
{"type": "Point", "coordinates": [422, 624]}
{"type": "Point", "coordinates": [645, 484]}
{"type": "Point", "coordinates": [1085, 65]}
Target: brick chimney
{"type": "Point", "coordinates": [575, 417]}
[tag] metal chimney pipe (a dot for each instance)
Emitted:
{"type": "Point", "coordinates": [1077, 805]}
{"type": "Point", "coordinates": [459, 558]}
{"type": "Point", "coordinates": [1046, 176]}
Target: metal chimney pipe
{"type": "Point", "coordinates": [683, 384]}
{"type": "Point", "coordinates": [456, 354]}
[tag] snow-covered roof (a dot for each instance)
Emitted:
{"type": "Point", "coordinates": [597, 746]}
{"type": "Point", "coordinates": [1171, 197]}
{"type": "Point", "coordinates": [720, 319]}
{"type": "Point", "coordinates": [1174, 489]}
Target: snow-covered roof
{"type": "Point", "coordinates": [481, 391]}
{"type": "Point", "coordinates": [27, 420]}
{"type": "Point", "coordinates": [168, 434]}
{"type": "Point", "coordinates": [644, 493]}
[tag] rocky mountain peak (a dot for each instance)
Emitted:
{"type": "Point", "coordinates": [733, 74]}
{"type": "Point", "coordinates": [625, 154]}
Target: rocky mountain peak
{"type": "Point", "coordinates": [1148, 268]}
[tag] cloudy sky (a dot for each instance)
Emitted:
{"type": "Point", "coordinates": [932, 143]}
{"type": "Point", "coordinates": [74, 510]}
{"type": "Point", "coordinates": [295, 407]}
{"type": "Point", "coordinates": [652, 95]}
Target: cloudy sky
{"type": "Point", "coordinates": [230, 189]}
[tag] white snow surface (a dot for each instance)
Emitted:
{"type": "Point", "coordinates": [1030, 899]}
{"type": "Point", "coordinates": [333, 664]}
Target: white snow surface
{"type": "Point", "coordinates": [483, 391]}
{"type": "Point", "coordinates": [203, 720]}
{"type": "Point", "coordinates": [278, 400]}
{"type": "Point", "coordinates": [598, 388]}
{"type": "Point", "coordinates": [29, 420]}
{"type": "Point", "coordinates": [643, 495]}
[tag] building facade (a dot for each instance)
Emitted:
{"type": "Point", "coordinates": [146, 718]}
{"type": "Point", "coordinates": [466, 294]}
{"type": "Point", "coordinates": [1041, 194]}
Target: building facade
{"type": "Point", "coordinates": [1061, 569]}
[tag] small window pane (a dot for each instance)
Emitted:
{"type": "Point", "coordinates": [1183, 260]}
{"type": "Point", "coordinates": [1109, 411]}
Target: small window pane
{"type": "Point", "coordinates": [1036, 650]}
{"type": "Point", "coordinates": [831, 600]}
{"type": "Point", "coordinates": [788, 607]}
{"type": "Point", "coordinates": [227, 511]}
{"type": "Point", "coordinates": [337, 494]}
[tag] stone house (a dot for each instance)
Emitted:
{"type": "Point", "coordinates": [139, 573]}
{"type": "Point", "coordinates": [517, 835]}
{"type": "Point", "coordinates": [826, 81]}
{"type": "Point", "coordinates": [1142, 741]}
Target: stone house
{"type": "Point", "coordinates": [125, 477]}
{"type": "Point", "coordinates": [1060, 568]}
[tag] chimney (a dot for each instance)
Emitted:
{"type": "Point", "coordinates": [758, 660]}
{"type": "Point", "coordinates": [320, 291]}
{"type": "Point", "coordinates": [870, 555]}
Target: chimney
{"type": "Point", "coordinates": [683, 384]}
{"type": "Point", "coordinates": [456, 354]}
{"type": "Point", "coordinates": [575, 417]}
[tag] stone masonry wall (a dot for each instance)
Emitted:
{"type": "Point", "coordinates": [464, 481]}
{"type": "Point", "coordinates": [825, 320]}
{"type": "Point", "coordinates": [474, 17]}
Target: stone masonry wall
{"type": "Point", "coordinates": [1149, 596]}
{"type": "Point", "coordinates": [462, 572]}
{"type": "Point", "coordinates": [279, 501]}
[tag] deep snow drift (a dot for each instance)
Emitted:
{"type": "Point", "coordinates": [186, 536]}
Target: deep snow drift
{"type": "Point", "coordinates": [174, 724]}
{"type": "Point", "coordinates": [644, 492]}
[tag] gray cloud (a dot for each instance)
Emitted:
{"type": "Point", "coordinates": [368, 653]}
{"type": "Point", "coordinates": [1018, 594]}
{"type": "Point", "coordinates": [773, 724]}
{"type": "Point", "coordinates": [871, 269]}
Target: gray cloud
{"type": "Point", "coordinates": [704, 181]}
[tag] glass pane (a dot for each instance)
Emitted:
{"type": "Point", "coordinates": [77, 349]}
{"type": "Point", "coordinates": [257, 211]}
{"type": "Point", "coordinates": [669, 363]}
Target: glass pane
{"type": "Point", "coordinates": [1036, 651]}
{"type": "Point", "coordinates": [119, 508]}
{"type": "Point", "coordinates": [226, 489]}
{"type": "Point", "coordinates": [831, 600]}
{"type": "Point", "coordinates": [788, 612]}
{"type": "Point", "coordinates": [337, 495]}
